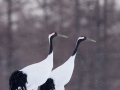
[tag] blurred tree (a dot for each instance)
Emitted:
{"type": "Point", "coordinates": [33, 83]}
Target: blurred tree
{"type": "Point", "coordinates": [9, 36]}
{"type": "Point", "coordinates": [61, 13]}
{"type": "Point", "coordinates": [104, 48]}
{"type": "Point", "coordinates": [100, 79]}
{"type": "Point", "coordinates": [77, 15]}
{"type": "Point", "coordinates": [111, 13]}
{"type": "Point", "coordinates": [95, 79]}
{"type": "Point", "coordinates": [44, 6]}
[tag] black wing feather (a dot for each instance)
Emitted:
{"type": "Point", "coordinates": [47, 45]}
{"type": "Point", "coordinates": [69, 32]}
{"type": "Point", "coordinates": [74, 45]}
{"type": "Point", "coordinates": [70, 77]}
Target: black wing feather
{"type": "Point", "coordinates": [18, 79]}
{"type": "Point", "coordinates": [48, 85]}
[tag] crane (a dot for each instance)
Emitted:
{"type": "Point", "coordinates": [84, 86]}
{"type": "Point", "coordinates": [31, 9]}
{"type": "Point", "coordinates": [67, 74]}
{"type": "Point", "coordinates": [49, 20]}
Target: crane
{"type": "Point", "coordinates": [60, 76]}
{"type": "Point", "coordinates": [31, 76]}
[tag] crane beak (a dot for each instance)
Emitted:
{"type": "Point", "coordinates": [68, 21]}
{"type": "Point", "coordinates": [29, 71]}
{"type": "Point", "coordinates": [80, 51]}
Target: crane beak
{"type": "Point", "coordinates": [60, 35]}
{"type": "Point", "coordinates": [90, 40]}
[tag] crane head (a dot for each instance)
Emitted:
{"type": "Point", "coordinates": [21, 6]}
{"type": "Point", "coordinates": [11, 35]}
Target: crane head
{"type": "Point", "coordinates": [54, 34]}
{"type": "Point", "coordinates": [82, 38]}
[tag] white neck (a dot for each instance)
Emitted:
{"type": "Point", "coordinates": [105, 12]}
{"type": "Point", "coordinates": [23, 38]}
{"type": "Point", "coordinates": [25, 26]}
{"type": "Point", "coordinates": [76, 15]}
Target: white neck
{"type": "Point", "coordinates": [49, 59]}
{"type": "Point", "coordinates": [71, 60]}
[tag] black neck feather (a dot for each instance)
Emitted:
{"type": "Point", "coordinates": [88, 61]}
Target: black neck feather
{"type": "Point", "coordinates": [76, 47]}
{"type": "Point", "coordinates": [51, 45]}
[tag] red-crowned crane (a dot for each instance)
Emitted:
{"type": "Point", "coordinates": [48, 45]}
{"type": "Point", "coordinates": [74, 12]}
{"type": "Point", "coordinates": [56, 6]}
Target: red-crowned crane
{"type": "Point", "coordinates": [60, 76]}
{"type": "Point", "coordinates": [32, 76]}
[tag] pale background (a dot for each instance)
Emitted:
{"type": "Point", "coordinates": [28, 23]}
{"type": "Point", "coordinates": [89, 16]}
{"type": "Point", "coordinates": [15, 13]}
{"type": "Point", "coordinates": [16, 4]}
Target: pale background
{"type": "Point", "coordinates": [24, 29]}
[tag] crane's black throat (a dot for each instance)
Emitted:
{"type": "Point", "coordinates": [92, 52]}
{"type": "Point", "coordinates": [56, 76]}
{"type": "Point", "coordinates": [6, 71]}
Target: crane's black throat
{"type": "Point", "coordinates": [51, 44]}
{"type": "Point", "coordinates": [77, 44]}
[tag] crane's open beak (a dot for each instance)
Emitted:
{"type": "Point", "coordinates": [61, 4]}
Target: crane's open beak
{"type": "Point", "coordinates": [60, 35]}
{"type": "Point", "coordinates": [90, 40]}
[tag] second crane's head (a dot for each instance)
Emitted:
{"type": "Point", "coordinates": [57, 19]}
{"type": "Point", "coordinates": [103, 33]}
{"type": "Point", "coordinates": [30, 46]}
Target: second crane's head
{"type": "Point", "coordinates": [83, 38]}
{"type": "Point", "coordinates": [54, 34]}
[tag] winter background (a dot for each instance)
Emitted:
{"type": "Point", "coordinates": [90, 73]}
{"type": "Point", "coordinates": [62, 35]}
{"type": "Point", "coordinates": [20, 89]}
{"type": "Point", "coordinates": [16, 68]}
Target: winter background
{"type": "Point", "coordinates": [24, 29]}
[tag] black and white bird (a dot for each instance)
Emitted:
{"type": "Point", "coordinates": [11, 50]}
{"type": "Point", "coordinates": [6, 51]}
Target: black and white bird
{"type": "Point", "coordinates": [60, 76]}
{"type": "Point", "coordinates": [32, 76]}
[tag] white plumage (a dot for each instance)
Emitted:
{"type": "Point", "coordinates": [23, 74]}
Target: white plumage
{"type": "Point", "coordinates": [62, 74]}
{"type": "Point", "coordinates": [38, 73]}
